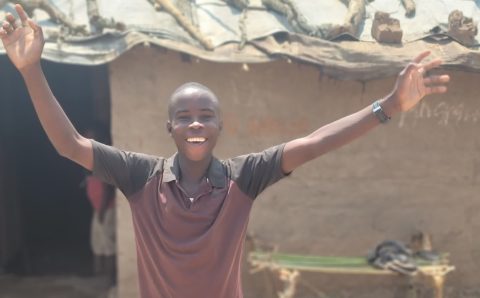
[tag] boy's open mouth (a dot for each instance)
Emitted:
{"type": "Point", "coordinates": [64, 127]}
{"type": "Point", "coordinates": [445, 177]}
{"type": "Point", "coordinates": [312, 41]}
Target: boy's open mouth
{"type": "Point", "coordinates": [196, 140]}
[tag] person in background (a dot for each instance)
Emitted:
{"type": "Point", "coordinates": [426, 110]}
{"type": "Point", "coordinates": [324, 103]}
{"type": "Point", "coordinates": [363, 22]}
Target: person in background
{"type": "Point", "coordinates": [102, 234]}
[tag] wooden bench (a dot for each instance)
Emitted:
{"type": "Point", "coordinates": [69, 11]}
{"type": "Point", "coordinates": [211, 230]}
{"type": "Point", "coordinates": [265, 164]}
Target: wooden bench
{"type": "Point", "coordinates": [289, 266]}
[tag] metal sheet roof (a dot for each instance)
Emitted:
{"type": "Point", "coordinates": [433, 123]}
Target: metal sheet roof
{"type": "Point", "coordinates": [266, 35]}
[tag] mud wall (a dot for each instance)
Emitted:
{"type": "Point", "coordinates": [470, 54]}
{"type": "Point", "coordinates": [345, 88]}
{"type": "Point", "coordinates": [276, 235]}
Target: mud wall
{"type": "Point", "coordinates": [419, 172]}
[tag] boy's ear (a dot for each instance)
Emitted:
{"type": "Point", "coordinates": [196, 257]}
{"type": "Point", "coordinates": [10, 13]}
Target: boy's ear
{"type": "Point", "coordinates": [220, 125]}
{"type": "Point", "coordinates": [169, 127]}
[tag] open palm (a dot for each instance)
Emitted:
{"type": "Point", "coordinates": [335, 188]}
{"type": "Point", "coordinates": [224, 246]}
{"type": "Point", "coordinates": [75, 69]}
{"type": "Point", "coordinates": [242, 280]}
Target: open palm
{"type": "Point", "coordinates": [412, 83]}
{"type": "Point", "coordinates": [23, 44]}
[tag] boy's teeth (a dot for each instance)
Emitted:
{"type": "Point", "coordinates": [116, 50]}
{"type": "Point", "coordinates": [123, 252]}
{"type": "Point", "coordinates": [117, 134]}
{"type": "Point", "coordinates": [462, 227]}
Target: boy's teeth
{"type": "Point", "coordinates": [196, 140]}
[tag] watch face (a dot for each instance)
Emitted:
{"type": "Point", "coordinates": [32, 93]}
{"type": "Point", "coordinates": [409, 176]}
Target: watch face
{"type": "Point", "coordinates": [379, 113]}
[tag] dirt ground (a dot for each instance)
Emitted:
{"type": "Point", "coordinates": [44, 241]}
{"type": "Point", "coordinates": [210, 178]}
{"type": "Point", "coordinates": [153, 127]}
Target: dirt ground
{"type": "Point", "coordinates": [12, 286]}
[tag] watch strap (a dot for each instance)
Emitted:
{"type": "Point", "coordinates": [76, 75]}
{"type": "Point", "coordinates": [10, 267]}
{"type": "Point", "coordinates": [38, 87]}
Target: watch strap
{"type": "Point", "coordinates": [379, 112]}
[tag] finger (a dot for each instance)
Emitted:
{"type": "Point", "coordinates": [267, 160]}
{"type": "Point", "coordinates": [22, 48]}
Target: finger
{"type": "Point", "coordinates": [409, 69]}
{"type": "Point", "coordinates": [34, 26]}
{"type": "Point", "coordinates": [435, 89]}
{"type": "Point", "coordinates": [417, 77]}
{"type": "Point", "coordinates": [441, 79]}
{"type": "Point", "coordinates": [420, 70]}
{"type": "Point", "coordinates": [433, 64]}
{"type": "Point", "coordinates": [7, 27]}
{"type": "Point", "coordinates": [22, 14]}
{"type": "Point", "coordinates": [3, 33]}
{"type": "Point", "coordinates": [11, 19]}
{"type": "Point", "coordinates": [421, 56]}
{"type": "Point", "coordinates": [416, 72]}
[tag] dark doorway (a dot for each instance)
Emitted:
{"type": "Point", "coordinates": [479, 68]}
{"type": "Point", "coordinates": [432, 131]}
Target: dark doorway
{"type": "Point", "coordinates": [52, 213]}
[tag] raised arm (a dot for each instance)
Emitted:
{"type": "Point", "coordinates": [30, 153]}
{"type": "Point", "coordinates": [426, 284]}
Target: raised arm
{"type": "Point", "coordinates": [411, 86]}
{"type": "Point", "coordinates": [23, 43]}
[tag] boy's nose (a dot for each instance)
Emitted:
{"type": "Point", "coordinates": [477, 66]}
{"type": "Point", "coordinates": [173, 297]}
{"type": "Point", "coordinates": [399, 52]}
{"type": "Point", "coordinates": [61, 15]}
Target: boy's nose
{"type": "Point", "coordinates": [196, 124]}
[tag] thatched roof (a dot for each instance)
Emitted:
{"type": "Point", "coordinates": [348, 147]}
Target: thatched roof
{"type": "Point", "coordinates": [336, 35]}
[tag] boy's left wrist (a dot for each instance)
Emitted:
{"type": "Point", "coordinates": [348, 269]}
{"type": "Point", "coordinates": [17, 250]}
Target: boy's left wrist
{"type": "Point", "coordinates": [389, 105]}
{"type": "Point", "coordinates": [379, 113]}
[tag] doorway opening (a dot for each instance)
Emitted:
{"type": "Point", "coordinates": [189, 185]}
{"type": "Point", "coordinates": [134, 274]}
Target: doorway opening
{"type": "Point", "coordinates": [46, 214]}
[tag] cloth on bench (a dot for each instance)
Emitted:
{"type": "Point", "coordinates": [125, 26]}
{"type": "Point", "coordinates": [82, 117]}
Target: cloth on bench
{"type": "Point", "coordinates": [293, 263]}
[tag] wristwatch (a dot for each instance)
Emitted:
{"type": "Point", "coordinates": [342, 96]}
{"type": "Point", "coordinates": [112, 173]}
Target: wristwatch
{"type": "Point", "coordinates": [379, 112]}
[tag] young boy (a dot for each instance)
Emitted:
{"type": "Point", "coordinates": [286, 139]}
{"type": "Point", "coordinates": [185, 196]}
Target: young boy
{"type": "Point", "coordinates": [190, 211]}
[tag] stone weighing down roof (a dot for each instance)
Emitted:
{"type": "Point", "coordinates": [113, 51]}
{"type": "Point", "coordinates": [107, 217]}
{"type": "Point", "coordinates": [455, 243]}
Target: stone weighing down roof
{"type": "Point", "coordinates": [336, 35]}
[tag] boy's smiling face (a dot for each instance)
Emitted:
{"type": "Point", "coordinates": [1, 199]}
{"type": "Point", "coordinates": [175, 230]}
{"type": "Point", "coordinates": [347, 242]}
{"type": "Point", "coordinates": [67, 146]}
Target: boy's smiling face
{"type": "Point", "coordinates": [195, 122]}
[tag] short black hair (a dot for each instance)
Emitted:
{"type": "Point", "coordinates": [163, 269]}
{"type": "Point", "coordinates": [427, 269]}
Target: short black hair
{"type": "Point", "coordinates": [193, 85]}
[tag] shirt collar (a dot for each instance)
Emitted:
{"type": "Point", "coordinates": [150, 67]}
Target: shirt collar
{"type": "Point", "coordinates": [215, 172]}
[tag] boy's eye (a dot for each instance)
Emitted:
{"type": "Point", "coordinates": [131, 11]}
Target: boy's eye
{"type": "Point", "coordinates": [183, 118]}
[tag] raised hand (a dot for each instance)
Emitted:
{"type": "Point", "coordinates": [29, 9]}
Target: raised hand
{"type": "Point", "coordinates": [23, 41]}
{"type": "Point", "coordinates": [413, 84]}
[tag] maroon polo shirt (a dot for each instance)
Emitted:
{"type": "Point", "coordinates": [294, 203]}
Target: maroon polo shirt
{"type": "Point", "coordinates": [188, 247]}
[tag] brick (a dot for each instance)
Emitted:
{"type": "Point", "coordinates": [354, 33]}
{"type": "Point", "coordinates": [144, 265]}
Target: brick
{"type": "Point", "coordinates": [461, 28]}
{"type": "Point", "coordinates": [386, 29]}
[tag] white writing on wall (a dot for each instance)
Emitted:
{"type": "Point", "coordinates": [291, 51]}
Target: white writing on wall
{"type": "Point", "coordinates": [442, 113]}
